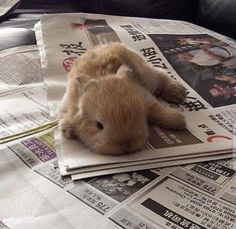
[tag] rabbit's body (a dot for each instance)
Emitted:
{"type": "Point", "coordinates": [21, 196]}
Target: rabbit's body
{"type": "Point", "coordinates": [108, 102]}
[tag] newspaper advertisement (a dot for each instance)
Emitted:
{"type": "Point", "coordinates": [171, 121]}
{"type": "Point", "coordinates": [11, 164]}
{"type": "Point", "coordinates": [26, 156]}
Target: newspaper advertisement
{"type": "Point", "coordinates": [23, 94]}
{"type": "Point", "coordinates": [202, 61]}
{"type": "Point", "coordinates": [193, 196]}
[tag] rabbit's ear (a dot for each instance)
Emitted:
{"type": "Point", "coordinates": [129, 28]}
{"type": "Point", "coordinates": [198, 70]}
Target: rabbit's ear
{"type": "Point", "coordinates": [82, 79]}
{"type": "Point", "coordinates": [124, 71]}
{"type": "Point", "coordinates": [84, 82]}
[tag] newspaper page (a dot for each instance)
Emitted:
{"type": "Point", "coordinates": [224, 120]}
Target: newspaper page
{"type": "Point", "coordinates": [7, 5]}
{"type": "Point", "coordinates": [204, 64]}
{"type": "Point", "coordinates": [33, 194]}
{"type": "Point", "coordinates": [193, 196]}
{"type": "Point", "coordinates": [23, 95]}
{"type": "Point", "coordinates": [20, 67]}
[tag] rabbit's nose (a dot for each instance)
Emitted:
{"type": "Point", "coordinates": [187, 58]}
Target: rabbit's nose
{"type": "Point", "coordinates": [130, 147]}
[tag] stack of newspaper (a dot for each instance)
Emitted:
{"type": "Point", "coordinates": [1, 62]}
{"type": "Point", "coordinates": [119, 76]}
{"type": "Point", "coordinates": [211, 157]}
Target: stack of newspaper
{"type": "Point", "coordinates": [203, 61]}
{"type": "Point", "coordinates": [35, 195]}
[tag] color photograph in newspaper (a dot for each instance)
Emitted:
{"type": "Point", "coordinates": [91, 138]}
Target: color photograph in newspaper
{"type": "Point", "coordinates": [206, 64]}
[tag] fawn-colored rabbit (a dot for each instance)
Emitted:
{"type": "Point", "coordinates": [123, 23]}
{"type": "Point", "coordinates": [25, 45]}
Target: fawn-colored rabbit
{"type": "Point", "coordinates": [108, 101]}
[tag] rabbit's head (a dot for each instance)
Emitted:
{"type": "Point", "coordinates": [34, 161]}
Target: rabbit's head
{"type": "Point", "coordinates": [112, 114]}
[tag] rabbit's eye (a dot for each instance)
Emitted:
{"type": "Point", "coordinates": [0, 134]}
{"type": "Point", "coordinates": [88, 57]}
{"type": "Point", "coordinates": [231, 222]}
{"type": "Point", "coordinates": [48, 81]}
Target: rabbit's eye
{"type": "Point", "coordinates": [99, 126]}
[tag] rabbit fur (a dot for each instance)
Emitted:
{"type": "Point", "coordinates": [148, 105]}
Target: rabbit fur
{"type": "Point", "coordinates": [108, 102]}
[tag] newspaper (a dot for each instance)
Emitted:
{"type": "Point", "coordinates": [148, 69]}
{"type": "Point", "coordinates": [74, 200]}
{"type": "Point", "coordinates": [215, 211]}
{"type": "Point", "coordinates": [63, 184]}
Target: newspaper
{"type": "Point", "coordinates": [23, 94]}
{"type": "Point", "coordinates": [7, 5]}
{"type": "Point", "coordinates": [195, 196]}
{"type": "Point", "coordinates": [203, 61]}
{"type": "Point", "coordinates": [34, 195]}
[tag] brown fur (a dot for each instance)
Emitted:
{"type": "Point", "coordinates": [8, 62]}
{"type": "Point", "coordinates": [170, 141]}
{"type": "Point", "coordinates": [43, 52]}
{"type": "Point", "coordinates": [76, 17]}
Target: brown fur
{"type": "Point", "coordinates": [112, 85]}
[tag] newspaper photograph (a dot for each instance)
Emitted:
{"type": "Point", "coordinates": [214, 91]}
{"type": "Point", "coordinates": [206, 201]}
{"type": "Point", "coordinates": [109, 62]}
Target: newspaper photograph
{"type": "Point", "coordinates": [164, 44]}
{"type": "Point", "coordinates": [204, 62]}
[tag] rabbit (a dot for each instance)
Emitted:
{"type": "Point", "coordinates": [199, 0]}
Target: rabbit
{"type": "Point", "coordinates": [108, 102]}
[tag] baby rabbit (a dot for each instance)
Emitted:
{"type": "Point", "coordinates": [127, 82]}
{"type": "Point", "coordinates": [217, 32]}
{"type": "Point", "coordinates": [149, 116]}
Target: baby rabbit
{"type": "Point", "coordinates": [108, 102]}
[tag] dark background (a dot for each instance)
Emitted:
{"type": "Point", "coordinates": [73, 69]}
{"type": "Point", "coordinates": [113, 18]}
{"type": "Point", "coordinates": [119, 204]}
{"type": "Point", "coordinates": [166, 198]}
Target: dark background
{"type": "Point", "coordinates": [218, 15]}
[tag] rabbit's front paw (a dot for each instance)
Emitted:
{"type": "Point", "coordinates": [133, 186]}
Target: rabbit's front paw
{"type": "Point", "coordinates": [67, 129]}
{"type": "Point", "coordinates": [178, 121]}
{"type": "Point", "coordinates": [174, 93]}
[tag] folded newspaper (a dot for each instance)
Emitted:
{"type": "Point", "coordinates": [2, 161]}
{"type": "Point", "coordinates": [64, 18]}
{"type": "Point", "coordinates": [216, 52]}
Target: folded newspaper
{"type": "Point", "coordinates": [203, 61]}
